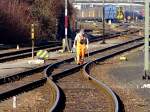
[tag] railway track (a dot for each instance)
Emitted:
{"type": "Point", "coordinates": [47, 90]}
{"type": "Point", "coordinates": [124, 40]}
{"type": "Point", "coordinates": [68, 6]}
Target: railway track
{"type": "Point", "coordinates": [4, 57]}
{"type": "Point", "coordinates": [82, 95]}
{"type": "Point", "coordinates": [58, 71]}
{"type": "Point", "coordinates": [24, 50]}
{"type": "Point", "coordinates": [44, 92]}
{"type": "Point", "coordinates": [9, 56]}
{"type": "Point", "coordinates": [77, 89]}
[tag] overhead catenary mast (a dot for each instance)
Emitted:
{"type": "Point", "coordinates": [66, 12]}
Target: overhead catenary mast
{"type": "Point", "coordinates": [103, 42]}
{"type": "Point", "coordinates": [146, 56]}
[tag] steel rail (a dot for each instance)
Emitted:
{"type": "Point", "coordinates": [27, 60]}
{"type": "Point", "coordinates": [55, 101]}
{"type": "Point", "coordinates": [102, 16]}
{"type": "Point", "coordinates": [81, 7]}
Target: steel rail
{"type": "Point", "coordinates": [87, 68]}
{"type": "Point", "coordinates": [14, 77]}
{"type": "Point", "coordinates": [7, 79]}
{"type": "Point", "coordinates": [10, 78]}
{"type": "Point", "coordinates": [61, 74]}
{"type": "Point", "coordinates": [102, 85]}
{"type": "Point", "coordinates": [70, 70]}
{"type": "Point", "coordinates": [24, 55]}
{"type": "Point", "coordinates": [53, 108]}
{"type": "Point", "coordinates": [38, 82]}
{"type": "Point", "coordinates": [28, 50]}
{"type": "Point", "coordinates": [22, 88]}
{"type": "Point", "coordinates": [41, 81]}
{"type": "Point", "coordinates": [27, 53]}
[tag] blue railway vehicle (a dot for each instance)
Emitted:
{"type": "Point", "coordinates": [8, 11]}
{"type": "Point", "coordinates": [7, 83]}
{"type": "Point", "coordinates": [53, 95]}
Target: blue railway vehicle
{"type": "Point", "coordinates": [136, 14]}
{"type": "Point", "coordinates": [110, 12]}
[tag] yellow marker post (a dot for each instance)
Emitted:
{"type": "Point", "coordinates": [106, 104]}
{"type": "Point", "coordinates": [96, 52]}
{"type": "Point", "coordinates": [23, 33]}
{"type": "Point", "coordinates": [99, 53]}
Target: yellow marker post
{"type": "Point", "coordinates": [32, 38]}
{"type": "Point", "coordinates": [120, 14]}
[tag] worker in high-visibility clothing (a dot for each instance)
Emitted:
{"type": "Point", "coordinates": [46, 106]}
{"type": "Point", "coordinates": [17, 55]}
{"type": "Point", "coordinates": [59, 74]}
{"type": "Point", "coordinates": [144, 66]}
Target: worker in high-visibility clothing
{"type": "Point", "coordinates": [81, 45]}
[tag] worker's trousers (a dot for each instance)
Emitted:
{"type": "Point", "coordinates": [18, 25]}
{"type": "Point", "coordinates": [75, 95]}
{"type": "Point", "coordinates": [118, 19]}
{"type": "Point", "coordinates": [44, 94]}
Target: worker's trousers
{"type": "Point", "coordinates": [80, 52]}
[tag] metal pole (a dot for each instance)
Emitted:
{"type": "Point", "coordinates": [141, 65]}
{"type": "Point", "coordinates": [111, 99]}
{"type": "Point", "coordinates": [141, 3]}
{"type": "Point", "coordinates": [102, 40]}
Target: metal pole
{"type": "Point", "coordinates": [103, 42]}
{"type": "Point", "coordinates": [32, 38]}
{"type": "Point", "coordinates": [130, 11]}
{"type": "Point", "coordinates": [66, 25]}
{"type": "Point", "coordinates": [56, 28]}
{"type": "Point", "coordinates": [133, 10]}
{"type": "Point", "coordinates": [146, 58]}
{"type": "Point", "coordinates": [32, 48]}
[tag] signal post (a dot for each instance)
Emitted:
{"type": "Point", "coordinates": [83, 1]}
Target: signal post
{"type": "Point", "coordinates": [33, 39]}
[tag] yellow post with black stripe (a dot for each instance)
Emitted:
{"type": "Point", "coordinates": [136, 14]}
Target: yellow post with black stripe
{"type": "Point", "coordinates": [42, 54]}
{"type": "Point", "coordinates": [32, 38]}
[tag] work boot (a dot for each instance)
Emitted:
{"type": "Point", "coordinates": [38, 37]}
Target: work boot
{"type": "Point", "coordinates": [81, 61]}
{"type": "Point", "coordinates": [78, 62]}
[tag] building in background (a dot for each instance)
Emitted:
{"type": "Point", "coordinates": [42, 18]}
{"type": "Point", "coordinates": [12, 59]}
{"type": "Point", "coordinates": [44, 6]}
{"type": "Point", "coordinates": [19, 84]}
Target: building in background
{"type": "Point", "coordinates": [93, 8]}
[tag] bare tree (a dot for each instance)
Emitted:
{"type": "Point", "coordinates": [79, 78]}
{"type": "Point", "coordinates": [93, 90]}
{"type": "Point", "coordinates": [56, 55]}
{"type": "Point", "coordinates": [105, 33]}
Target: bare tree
{"type": "Point", "coordinates": [18, 15]}
{"type": "Point", "coordinates": [15, 16]}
